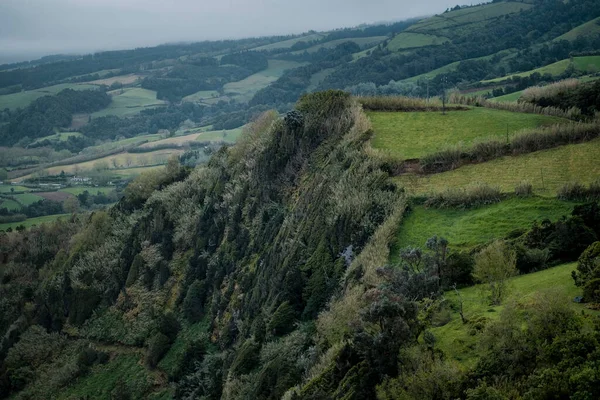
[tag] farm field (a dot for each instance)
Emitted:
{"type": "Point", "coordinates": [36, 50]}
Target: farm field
{"type": "Point", "coordinates": [108, 146]}
{"type": "Point", "coordinates": [286, 44]}
{"type": "Point", "coordinates": [11, 205]}
{"type": "Point", "coordinates": [76, 190]}
{"type": "Point", "coordinates": [27, 198]}
{"type": "Point", "coordinates": [547, 170]}
{"type": "Point", "coordinates": [319, 77]}
{"type": "Point", "coordinates": [120, 160]}
{"type": "Point", "coordinates": [508, 97]}
{"type": "Point", "coordinates": [245, 89]}
{"type": "Point", "coordinates": [127, 173]}
{"type": "Point", "coordinates": [465, 229]}
{"type": "Point", "coordinates": [590, 28]}
{"type": "Point", "coordinates": [131, 101]}
{"type": "Point", "coordinates": [58, 137]}
{"type": "Point", "coordinates": [23, 99]}
{"type": "Point", "coordinates": [361, 41]}
{"type": "Point", "coordinates": [201, 96]}
{"type": "Point", "coordinates": [409, 40]}
{"type": "Point", "coordinates": [7, 188]}
{"type": "Point", "coordinates": [122, 79]}
{"type": "Point", "coordinates": [454, 337]}
{"type": "Point", "coordinates": [414, 134]}
{"type": "Point", "coordinates": [468, 16]}
{"type": "Point", "coordinates": [29, 222]}
{"type": "Point", "coordinates": [583, 64]}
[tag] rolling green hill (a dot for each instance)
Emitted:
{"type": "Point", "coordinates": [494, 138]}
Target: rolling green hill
{"type": "Point", "coordinates": [581, 64]}
{"type": "Point", "coordinates": [589, 29]}
{"type": "Point", "coordinates": [408, 135]}
{"type": "Point", "coordinates": [408, 40]}
{"type": "Point", "coordinates": [23, 99]}
{"type": "Point", "coordinates": [129, 101]}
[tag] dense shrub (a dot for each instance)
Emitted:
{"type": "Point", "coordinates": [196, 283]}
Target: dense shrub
{"type": "Point", "coordinates": [158, 346]}
{"type": "Point", "coordinates": [282, 320]}
{"type": "Point", "coordinates": [588, 265]}
{"type": "Point", "coordinates": [578, 192]}
{"type": "Point", "coordinates": [473, 196]}
{"type": "Point", "coordinates": [524, 189]}
{"type": "Point", "coordinates": [399, 103]}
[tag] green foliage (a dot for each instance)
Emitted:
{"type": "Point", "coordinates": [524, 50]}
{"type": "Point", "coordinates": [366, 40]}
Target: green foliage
{"type": "Point", "coordinates": [282, 320]}
{"type": "Point", "coordinates": [473, 196]}
{"type": "Point", "coordinates": [193, 304]}
{"type": "Point", "coordinates": [158, 346]}
{"type": "Point", "coordinates": [493, 266]}
{"type": "Point", "coordinates": [134, 271]}
{"type": "Point", "coordinates": [588, 266]}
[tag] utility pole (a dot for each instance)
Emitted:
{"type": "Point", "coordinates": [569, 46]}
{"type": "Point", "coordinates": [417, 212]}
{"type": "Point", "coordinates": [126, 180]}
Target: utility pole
{"type": "Point", "coordinates": [444, 82]}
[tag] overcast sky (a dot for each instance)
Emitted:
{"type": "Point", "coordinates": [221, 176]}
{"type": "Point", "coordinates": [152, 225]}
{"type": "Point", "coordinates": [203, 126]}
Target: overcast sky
{"type": "Point", "coordinates": [31, 28]}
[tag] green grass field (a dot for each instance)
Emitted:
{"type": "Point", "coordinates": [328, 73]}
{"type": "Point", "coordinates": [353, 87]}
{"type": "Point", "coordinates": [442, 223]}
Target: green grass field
{"type": "Point", "coordinates": [27, 198]}
{"type": "Point", "coordinates": [23, 99]}
{"type": "Point", "coordinates": [58, 137]}
{"type": "Point", "coordinates": [361, 41]}
{"type": "Point", "coordinates": [245, 89]}
{"type": "Point", "coordinates": [33, 221]}
{"type": "Point", "coordinates": [201, 96]}
{"type": "Point", "coordinates": [7, 188]}
{"type": "Point", "coordinates": [409, 40]}
{"type": "Point", "coordinates": [454, 338]}
{"type": "Point", "coordinates": [414, 134]}
{"type": "Point", "coordinates": [468, 228]}
{"type": "Point", "coordinates": [286, 44]}
{"type": "Point", "coordinates": [9, 204]}
{"type": "Point", "coordinates": [508, 97]}
{"type": "Point", "coordinates": [589, 64]}
{"type": "Point", "coordinates": [76, 190]}
{"type": "Point", "coordinates": [590, 28]}
{"type": "Point", "coordinates": [131, 101]}
{"type": "Point", "coordinates": [319, 77]}
{"type": "Point", "coordinates": [108, 146]}
{"type": "Point", "coordinates": [468, 16]}
{"type": "Point", "coordinates": [547, 170]}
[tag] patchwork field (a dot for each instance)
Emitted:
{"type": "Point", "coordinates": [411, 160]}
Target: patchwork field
{"type": "Point", "coordinates": [10, 205]}
{"type": "Point", "coordinates": [468, 228]}
{"type": "Point", "coordinates": [23, 99]}
{"type": "Point", "coordinates": [546, 170]}
{"type": "Point", "coordinates": [77, 190]}
{"type": "Point", "coordinates": [27, 198]}
{"type": "Point", "coordinates": [414, 134]}
{"type": "Point", "coordinates": [129, 101]}
{"type": "Point", "coordinates": [409, 40]}
{"type": "Point", "coordinates": [589, 64]}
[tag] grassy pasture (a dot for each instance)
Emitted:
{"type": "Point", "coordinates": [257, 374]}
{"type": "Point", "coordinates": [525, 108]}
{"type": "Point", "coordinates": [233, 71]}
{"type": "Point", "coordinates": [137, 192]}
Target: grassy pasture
{"type": "Point", "coordinates": [590, 28]}
{"type": "Point", "coordinates": [23, 99]}
{"type": "Point", "coordinates": [547, 170]}
{"type": "Point", "coordinates": [108, 146]}
{"type": "Point", "coordinates": [454, 338]}
{"type": "Point", "coordinates": [583, 64]}
{"type": "Point", "coordinates": [127, 173]}
{"type": "Point", "coordinates": [6, 188]}
{"type": "Point", "coordinates": [361, 41]}
{"type": "Point", "coordinates": [319, 77]}
{"type": "Point", "coordinates": [409, 40]}
{"type": "Point", "coordinates": [414, 134]}
{"type": "Point", "coordinates": [468, 228]}
{"type": "Point", "coordinates": [77, 190]}
{"type": "Point", "coordinates": [33, 221]}
{"type": "Point", "coordinates": [465, 16]}
{"type": "Point", "coordinates": [11, 205]}
{"type": "Point", "coordinates": [509, 97]}
{"type": "Point", "coordinates": [201, 96]}
{"type": "Point", "coordinates": [58, 137]}
{"type": "Point", "coordinates": [27, 198]}
{"type": "Point", "coordinates": [245, 89]}
{"type": "Point", "coordinates": [286, 44]}
{"type": "Point", "coordinates": [129, 102]}
{"type": "Point", "coordinates": [122, 79]}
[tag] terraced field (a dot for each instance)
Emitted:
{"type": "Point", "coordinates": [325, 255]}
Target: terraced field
{"type": "Point", "coordinates": [547, 170]}
{"type": "Point", "coordinates": [415, 134]}
{"type": "Point", "coordinates": [465, 229]}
